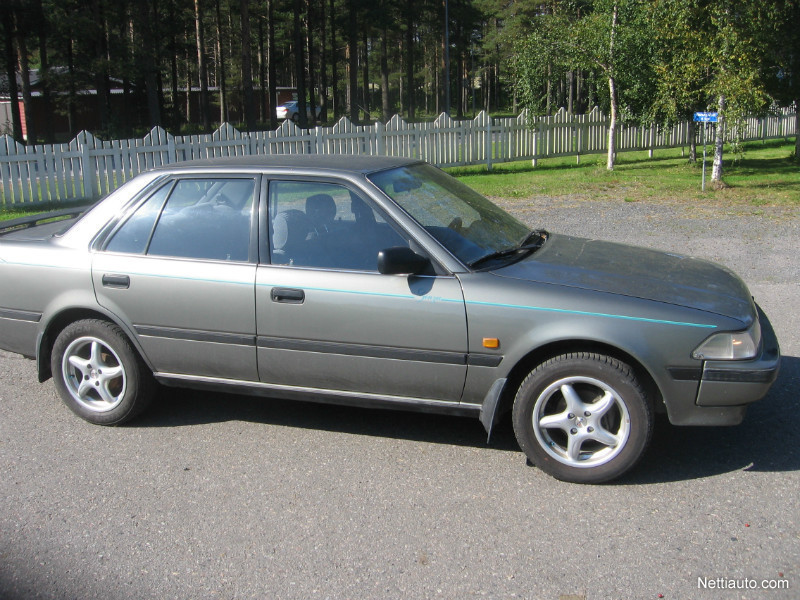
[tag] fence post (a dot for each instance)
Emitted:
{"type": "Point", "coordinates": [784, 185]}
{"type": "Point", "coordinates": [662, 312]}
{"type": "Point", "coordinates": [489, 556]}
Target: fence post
{"type": "Point", "coordinates": [380, 138]}
{"type": "Point", "coordinates": [5, 171]}
{"type": "Point", "coordinates": [172, 154]}
{"type": "Point", "coordinates": [489, 146]}
{"type": "Point", "coordinates": [87, 168]}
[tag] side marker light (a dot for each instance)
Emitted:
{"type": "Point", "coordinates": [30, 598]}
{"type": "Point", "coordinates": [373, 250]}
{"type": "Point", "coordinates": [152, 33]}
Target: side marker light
{"type": "Point", "coordinates": [491, 343]}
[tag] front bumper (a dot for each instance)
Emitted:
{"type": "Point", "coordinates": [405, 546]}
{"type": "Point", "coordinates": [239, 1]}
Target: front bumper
{"type": "Point", "coordinates": [727, 388]}
{"type": "Point", "coordinates": [736, 383]}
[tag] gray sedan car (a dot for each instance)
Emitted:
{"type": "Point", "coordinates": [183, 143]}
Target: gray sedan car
{"type": "Point", "coordinates": [381, 282]}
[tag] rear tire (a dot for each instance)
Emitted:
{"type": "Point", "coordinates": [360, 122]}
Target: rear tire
{"type": "Point", "coordinates": [582, 417]}
{"type": "Point", "coordinates": [98, 373]}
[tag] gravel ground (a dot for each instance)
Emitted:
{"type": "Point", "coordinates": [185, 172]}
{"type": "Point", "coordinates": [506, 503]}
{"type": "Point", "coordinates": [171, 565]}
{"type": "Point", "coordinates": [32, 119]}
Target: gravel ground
{"type": "Point", "coordinates": [215, 496]}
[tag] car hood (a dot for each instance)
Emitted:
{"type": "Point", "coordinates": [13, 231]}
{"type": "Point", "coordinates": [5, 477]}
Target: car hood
{"type": "Point", "coordinates": [636, 272]}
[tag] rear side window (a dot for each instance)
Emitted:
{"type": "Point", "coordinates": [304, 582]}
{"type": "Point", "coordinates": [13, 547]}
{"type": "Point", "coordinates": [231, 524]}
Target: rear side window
{"type": "Point", "coordinates": [201, 218]}
{"type": "Point", "coordinates": [133, 236]}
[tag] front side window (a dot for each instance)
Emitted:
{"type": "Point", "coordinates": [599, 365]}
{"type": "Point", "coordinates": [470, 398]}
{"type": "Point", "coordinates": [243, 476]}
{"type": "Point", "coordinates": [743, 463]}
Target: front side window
{"type": "Point", "coordinates": [326, 225]}
{"type": "Point", "coordinates": [201, 218]}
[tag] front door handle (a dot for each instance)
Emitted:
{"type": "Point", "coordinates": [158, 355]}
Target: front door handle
{"type": "Point", "coordinates": [288, 295]}
{"type": "Point", "coordinates": [122, 282]}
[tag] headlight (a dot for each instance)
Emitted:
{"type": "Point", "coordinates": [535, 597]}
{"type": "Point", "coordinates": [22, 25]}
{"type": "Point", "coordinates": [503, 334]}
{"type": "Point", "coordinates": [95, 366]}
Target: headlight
{"type": "Point", "coordinates": [741, 345]}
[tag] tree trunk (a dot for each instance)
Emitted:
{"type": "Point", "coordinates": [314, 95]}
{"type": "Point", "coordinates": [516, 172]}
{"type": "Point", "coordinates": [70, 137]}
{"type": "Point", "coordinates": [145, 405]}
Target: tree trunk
{"type": "Point", "coordinates": [221, 75]}
{"type": "Point", "coordinates": [446, 58]}
{"type": "Point", "coordinates": [460, 82]}
{"type": "Point", "coordinates": [352, 62]}
{"type": "Point", "coordinates": [612, 124]}
{"type": "Point", "coordinates": [262, 73]}
{"type": "Point", "coordinates": [570, 92]}
{"type": "Point", "coordinates": [11, 74]}
{"type": "Point", "coordinates": [719, 141]}
{"type": "Point", "coordinates": [409, 49]}
{"type": "Point", "coordinates": [247, 70]}
{"type": "Point", "coordinates": [612, 90]}
{"type": "Point", "coordinates": [692, 141]}
{"type": "Point", "coordinates": [366, 104]}
{"type": "Point", "coordinates": [25, 76]}
{"type": "Point", "coordinates": [312, 82]}
{"type": "Point", "coordinates": [385, 106]}
{"type": "Point", "coordinates": [273, 90]}
{"type": "Point", "coordinates": [401, 95]}
{"type": "Point", "coordinates": [549, 91]}
{"type": "Point", "coordinates": [334, 63]}
{"type": "Point", "coordinates": [149, 64]}
{"type": "Point", "coordinates": [49, 134]}
{"type": "Point", "coordinates": [100, 66]}
{"type": "Point", "coordinates": [299, 66]}
{"type": "Point", "coordinates": [323, 65]}
{"type": "Point", "coordinates": [202, 67]}
{"type": "Point", "coordinates": [189, 75]}
{"type": "Point", "coordinates": [174, 117]}
{"type": "Point", "coordinates": [71, 92]}
{"type": "Point", "coordinates": [797, 130]}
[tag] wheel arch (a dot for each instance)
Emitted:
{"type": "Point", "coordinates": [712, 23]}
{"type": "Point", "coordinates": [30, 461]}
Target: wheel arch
{"type": "Point", "coordinates": [58, 321]}
{"type": "Point", "coordinates": [556, 348]}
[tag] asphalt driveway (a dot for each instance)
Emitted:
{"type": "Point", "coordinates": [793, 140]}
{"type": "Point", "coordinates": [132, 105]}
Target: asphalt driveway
{"type": "Point", "coordinates": [219, 496]}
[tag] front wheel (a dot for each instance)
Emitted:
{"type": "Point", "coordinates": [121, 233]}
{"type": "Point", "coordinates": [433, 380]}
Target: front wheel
{"type": "Point", "coordinates": [98, 374]}
{"type": "Point", "coordinates": [582, 417]}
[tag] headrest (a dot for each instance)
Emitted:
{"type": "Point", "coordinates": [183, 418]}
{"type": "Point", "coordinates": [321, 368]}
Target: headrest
{"type": "Point", "coordinates": [363, 213]}
{"type": "Point", "coordinates": [289, 228]}
{"type": "Point", "coordinates": [321, 208]}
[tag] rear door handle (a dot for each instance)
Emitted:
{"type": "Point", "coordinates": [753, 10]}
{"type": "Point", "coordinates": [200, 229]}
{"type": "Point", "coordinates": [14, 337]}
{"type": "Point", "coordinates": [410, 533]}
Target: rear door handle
{"type": "Point", "coordinates": [288, 295]}
{"type": "Point", "coordinates": [122, 282]}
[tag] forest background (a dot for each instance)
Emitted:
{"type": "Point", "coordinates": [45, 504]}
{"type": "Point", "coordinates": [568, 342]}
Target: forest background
{"type": "Point", "coordinates": [188, 65]}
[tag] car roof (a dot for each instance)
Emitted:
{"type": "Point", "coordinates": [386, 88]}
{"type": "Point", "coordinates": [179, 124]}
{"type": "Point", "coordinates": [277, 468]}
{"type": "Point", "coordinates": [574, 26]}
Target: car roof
{"type": "Point", "coordinates": [341, 163]}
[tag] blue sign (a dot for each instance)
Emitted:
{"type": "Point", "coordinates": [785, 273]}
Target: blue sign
{"type": "Point", "coordinates": [706, 117]}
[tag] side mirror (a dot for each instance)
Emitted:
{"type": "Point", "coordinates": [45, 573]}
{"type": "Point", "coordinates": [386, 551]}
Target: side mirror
{"type": "Point", "coordinates": [401, 260]}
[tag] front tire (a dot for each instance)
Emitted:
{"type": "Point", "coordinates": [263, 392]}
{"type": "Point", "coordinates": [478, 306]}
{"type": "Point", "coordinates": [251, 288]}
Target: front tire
{"type": "Point", "coordinates": [583, 417]}
{"type": "Point", "coordinates": [99, 374]}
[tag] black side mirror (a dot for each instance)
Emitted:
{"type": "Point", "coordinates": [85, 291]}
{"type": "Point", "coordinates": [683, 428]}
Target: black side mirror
{"type": "Point", "coordinates": [401, 260]}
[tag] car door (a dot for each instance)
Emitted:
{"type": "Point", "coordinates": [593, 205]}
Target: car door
{"type": "Point", "coordinates": [180, 272]}
{"type": "Point", "coordinates": [327, 320]}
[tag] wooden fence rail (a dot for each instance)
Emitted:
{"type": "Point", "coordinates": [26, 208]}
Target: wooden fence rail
{"type": "Point", "coordinates": [87, 167]}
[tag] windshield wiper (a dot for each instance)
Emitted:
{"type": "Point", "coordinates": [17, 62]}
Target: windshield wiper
{"type": "Point", "coordinates": [532, 242]}
{"type": "Point", "coordinates": [537, 236]}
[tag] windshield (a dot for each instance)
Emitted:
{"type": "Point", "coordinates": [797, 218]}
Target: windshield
{"type": "Point", "coordinates": [462, 220]}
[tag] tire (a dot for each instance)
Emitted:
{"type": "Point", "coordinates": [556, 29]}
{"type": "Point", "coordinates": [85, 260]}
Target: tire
{"type": "Point", "coordinates": [582, 417]}
{"type": "Point", "coordinates": [98, 373]}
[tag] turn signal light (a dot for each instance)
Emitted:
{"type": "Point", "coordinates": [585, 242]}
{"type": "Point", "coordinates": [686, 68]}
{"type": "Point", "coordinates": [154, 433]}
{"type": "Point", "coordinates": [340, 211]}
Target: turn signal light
{"type": "Point", "coordinates": [491, 343]}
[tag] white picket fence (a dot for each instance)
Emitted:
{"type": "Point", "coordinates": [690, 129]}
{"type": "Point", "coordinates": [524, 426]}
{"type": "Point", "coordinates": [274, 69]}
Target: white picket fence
{"type": "Point", "coordinates": [87, 167]}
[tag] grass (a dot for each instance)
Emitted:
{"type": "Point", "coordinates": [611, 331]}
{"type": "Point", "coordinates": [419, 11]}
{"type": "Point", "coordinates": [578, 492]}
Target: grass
{"type": "Point", "coordinates": [764, 176]}
{"type": "Point", "coordinates": [16, 212]}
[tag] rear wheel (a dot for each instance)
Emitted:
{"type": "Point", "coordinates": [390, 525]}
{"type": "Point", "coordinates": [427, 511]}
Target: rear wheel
{"type": "Point", "coordinates": [582, 417]}
{"type": "Point", "coordinates": [98, 374]}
